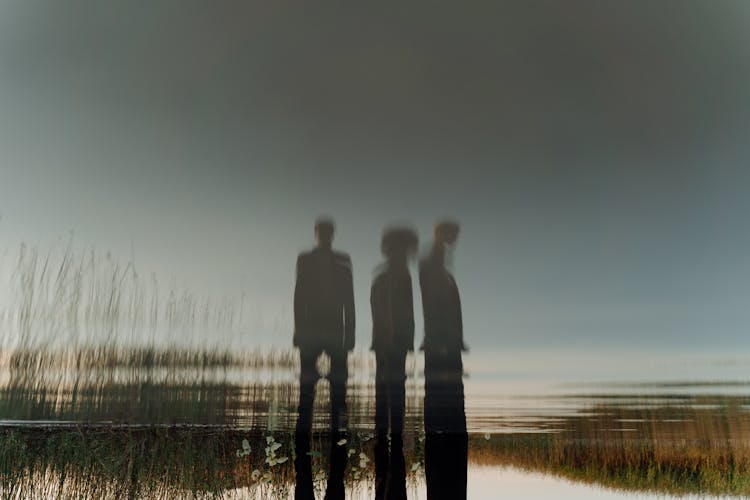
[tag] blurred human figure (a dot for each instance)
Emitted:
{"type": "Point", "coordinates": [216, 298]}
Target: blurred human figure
{"type": "Point", "coordinates": [446, 439]}
{"type": "Point", "coordinates": [443, 325]}
{"type": "Point", "coordinates": [392, 306]}
{"type": "Point", "coordinates": [323, 321]}
{"type": "Point", "coordinates": [390, 468]}
{"type": "Point", "coordinates": [441, 303]}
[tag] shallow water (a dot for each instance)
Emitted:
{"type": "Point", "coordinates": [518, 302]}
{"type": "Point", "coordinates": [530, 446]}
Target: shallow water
{"type": "Point", "coordinates": [554, 426]}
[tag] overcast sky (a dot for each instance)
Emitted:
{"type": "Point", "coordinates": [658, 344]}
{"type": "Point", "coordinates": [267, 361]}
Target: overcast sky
{"type": "Point", "coordinates": [595, 152]}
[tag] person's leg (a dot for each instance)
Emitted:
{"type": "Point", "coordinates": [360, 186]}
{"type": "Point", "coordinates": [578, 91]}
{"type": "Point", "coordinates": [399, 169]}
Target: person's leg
{"type": "Point", "coordinates": [303, 487]}
{"type": "Point", "coordinates": [335, 489]}
{"type": "Point", "coordinates": [307, 379]}
{"type": "Point", "coordinates": [431, 391]}
{"type": "Point", "coordinates": [397, 391]}
{"type": "Point", "coordinates": [437, 390]}
{"type": "Point", "coordinates": [381, 466]}
{"type": "Point", "coordinates": [381, 393]}
{"type": "Point", "coordinates": [455, 420]}
{"type": "Point", "coordinates": [338, 377]}
{"type": "Point", "coordinates": [444, 392]}
{"type": "Point", "coordinates": [397, 470]}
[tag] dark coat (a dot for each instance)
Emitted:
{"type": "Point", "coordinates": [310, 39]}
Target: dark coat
{"type": "Point", "coordinates": [443, 325]}
{"type": "Point", "coordinates": [324, 301]}
{"type": "Point", "coordinates": [392, 306]}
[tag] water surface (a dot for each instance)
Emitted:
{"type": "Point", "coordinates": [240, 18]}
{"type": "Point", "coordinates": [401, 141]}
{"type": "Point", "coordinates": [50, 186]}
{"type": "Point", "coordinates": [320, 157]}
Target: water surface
{"type": "Point", "coordinates": [542, 426]}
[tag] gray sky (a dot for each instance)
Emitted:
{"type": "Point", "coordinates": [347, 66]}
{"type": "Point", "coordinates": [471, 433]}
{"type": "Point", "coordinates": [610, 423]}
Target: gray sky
{"type": "Point", "coordinates": [595, 152]}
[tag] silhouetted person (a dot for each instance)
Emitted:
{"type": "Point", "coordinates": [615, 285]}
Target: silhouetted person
{"type": "Point", "coordinates": [441, 303]}
{"type": "Point", "coordinates": [446, 439]}
{"type": "Point", "coordinates": [392, 306]}
{"type": "Point", "coordinates": [323, 321]}
{"type": "Point", "coordinates": [443, 339]}
{"type": "Point", "coordinates": [390, 468]}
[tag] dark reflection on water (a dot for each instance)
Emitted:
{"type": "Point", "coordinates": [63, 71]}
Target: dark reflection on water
{"type": "Point", "coordinates": [304, 486]}
{"type": "Point", "coordinates": [446, 440]}
{"type": "Point", "coordinates": [390, 468]}
{"type": "Point", "coordinates": [446, 456]}
{"type": "Point", "coordinates": [146, 433]}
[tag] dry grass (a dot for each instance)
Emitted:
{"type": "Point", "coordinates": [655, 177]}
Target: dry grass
{"type": "Point", "coordinates": [673, 450]}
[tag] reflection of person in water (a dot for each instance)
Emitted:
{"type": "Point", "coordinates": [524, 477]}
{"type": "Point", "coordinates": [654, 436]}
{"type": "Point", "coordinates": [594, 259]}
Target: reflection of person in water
{"type": "Point", "coordinates": [323, 320]}
{"type": "Point", "coordinates": [445, 462]}
{"type": "Point", "coordinates": [303, 489]}
{"type": "Point", "coordinates": [446, 439]}
{"type": "Point", "coordinates": [390, 468]}
{"type": "Point", "coordinates": [392, 327]}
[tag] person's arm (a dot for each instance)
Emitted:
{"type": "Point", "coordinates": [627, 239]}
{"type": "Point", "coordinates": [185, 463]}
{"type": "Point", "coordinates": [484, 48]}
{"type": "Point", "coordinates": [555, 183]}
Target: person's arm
{"type": "Point", "coordinates": [410, 311]}
{"type": "Point", "coordinates": [404, 312]}
{"type": "Point", "coordinates": [373, 311]}
{"type": "Point", "coordinates": [459, 320]}
{"type": "Point", "coordinates": [425, 290]}
{"type": "Point", "coordinates": [348, 309]}
{"type": "Point", "coordinates": [300, 305]}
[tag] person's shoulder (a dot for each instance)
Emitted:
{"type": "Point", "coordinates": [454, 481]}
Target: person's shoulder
{"type": "Point", "coordinates": [304, 259]}
{"type": "Point", "coordinates": [304, 256]}
{"type": "Point", "coordinates": [379, 285]}
{"type": "Point", "coordinates": [342, 259]}
{"type": "Point", "coordinates": [339, 255]}
{"type": "Point", "coordinates": [379, 276]}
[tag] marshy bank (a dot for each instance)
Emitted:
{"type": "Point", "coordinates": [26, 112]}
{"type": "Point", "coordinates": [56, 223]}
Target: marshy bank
{"type": "Point", "coordinates": [625, 450]}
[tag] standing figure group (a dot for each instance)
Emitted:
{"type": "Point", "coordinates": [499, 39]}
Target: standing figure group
{"type": "Point", "coordinates": [324, 322]}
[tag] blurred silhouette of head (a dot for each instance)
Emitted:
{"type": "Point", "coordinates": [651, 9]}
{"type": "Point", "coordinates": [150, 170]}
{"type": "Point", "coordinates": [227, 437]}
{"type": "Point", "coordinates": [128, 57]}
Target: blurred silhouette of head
{"type": "Point", "coordinates": [324, 231]}
{"type": "Point", "coordinates": [446, 232]}
{"type": "Point", "coordinates": [399, 243]}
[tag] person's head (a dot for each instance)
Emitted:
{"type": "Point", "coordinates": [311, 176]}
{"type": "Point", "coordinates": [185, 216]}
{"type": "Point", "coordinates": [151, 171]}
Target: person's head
{"type": "Point", "coordinates": [399, 243]}
{"type": "Point", "coordinates": [446, 232]}
{"type": "Point", "coordinates": [324, 231]}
